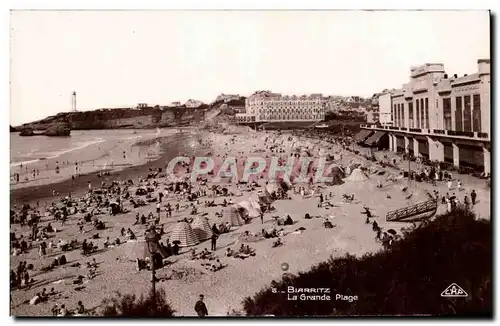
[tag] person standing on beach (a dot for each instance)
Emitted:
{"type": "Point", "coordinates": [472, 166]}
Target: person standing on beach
{"type": "Point", "coordinates": [158, 209]}
{"type": "Point", "coordinates": [200, 307]}
{"type": "Point", "coordinates": [262, 218]}
{"type": "Point", "coordinates": [169, 210]}
{"type": "Point", "coordinates": [214, 242]}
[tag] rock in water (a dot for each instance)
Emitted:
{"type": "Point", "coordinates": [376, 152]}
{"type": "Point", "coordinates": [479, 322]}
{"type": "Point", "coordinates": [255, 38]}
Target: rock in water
{"type": "Point", "coordinates": [27, 132]}
{"type": "Point", "coordinates": [59, 130]}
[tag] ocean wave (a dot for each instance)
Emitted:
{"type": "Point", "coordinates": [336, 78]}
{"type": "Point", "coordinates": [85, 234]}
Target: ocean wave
{"type": "Point", "coordinates": [133, 137]}
{"type": "Point", "coordinates": [57, 154]}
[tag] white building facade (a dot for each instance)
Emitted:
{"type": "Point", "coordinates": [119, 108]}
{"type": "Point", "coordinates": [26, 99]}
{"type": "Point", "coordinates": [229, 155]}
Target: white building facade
{"type": "Point", "coordinates": [272, 107]}
{"type": "Point", "coordinates": [385, 109]}
{"type": "Point", "coordinates": [441, 117]}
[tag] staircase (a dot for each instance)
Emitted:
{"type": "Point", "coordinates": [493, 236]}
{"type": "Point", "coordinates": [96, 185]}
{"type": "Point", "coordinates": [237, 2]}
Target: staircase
{"type": "Point", "coordinates": [416, 212]}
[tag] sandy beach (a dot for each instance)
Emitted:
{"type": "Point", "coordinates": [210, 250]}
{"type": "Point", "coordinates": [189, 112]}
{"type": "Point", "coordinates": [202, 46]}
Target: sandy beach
{"type": "Point", "coordinates": [305, 243]}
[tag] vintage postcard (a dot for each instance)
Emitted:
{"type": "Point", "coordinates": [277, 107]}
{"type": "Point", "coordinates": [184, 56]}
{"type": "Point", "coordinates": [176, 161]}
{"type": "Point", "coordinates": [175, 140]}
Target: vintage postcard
{"type": "Point", "coordinates": [176, 163]}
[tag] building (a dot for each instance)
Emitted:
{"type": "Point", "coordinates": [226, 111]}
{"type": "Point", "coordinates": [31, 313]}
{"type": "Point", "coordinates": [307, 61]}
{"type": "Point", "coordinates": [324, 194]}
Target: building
{"type": "Point", "coordinates": [238, 108]}
{"type": "Point", "coordinates": [272, 107]}
{"type": "Point", "coordinates": [385, 109]}
{"type": "Point", "coordinates": [227, 97]}
{"type": "Point", "coordinates": [372, 116]}
{"type": "Point", "coordinates": [441, 117]}
{"type": "Point", "coordinates": [193, 103]}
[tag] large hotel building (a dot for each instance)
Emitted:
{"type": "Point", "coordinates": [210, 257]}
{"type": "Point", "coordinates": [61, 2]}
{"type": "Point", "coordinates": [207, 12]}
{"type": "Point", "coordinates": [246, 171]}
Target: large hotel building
{"type": "Point", "coordinates": [443, 117]}
{"type": "Point", "coordinates": [271, 107]}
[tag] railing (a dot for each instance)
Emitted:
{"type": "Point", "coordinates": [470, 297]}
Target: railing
{"type": "Point", "coordinates": [469, 134]}
{"type": "Point", "coordinates": [413, 210]}
{"type": "Point", "coordinates": [461, 133]}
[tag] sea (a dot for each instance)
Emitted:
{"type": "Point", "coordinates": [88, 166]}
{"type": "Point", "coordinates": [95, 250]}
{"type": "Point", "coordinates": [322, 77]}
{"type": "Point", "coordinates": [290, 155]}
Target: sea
{"type": "Point", "coordinates": [25, 150]}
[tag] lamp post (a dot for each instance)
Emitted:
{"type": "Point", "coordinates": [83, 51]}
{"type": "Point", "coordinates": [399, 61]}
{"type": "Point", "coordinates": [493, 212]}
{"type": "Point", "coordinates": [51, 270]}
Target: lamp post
{"type": "Point", "coordinates": [150, 241]}
{"type": "Point", "coordinates": [409, 163]}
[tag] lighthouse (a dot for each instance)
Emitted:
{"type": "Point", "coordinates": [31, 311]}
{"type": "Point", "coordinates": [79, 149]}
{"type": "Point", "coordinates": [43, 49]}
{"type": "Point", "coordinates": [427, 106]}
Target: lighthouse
{"type": "Point", "coordinates": [73, 102]}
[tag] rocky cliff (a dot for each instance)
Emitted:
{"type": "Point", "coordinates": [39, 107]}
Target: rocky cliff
{"type": "Point", "coordinates": [145, 117]}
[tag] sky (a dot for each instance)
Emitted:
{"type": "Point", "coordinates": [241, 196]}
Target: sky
{"type": "Point", "coordinates": [121, 58]}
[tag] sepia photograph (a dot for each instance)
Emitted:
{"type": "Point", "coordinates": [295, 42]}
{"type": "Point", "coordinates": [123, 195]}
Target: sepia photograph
{"type": "Point", "coordinates": [250, 163]}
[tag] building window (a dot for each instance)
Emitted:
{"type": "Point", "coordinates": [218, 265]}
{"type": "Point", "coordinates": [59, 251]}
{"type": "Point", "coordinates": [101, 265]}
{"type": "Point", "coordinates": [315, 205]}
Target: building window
{"type": "Point", "coordinates": [467, 114]}
{"type": "Point", "coordinates": [422, 113]}
{"type": "Point", "coordinates": [458, 114]}
{"type": "Point", "coordinates": [410, 114]}
{"type": "Point", "coordinates": [426, 113]}
{"type": "Point", "coordinates": [393, 113]}
{"type": "Point", "coordinates": [447, 113]}
{"type": "Point", "coordinates": [417, 119]}
{"type": "Point", "coordinates": [476, 113]}
{"type": "Point", "coordinates": [399, 115]}
{"type": "Point", "coordinates": [403, 115]}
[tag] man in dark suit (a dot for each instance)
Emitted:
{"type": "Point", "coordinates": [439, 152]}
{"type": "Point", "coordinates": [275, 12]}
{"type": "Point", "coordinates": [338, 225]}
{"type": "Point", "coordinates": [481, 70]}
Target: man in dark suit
{"type": "Point", "coordinates": [200, 307]}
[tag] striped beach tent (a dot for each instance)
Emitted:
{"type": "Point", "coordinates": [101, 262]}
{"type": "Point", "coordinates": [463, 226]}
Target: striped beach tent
{"type": "Point", "coordinates": [184, 234]}
{"type": "Point", "coordinates": [201, 227]}
{"type": "Point", "coordinates": [233, 216]}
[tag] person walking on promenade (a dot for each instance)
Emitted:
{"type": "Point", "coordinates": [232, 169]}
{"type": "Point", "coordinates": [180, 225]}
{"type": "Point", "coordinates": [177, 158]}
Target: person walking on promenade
{"type": "Point", "coordinates": [473, 197]}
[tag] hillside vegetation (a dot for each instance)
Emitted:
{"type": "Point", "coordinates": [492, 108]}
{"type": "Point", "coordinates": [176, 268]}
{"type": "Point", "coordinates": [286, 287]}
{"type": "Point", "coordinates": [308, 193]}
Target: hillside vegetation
{"type": "Point", "coordinates": [405, 280]}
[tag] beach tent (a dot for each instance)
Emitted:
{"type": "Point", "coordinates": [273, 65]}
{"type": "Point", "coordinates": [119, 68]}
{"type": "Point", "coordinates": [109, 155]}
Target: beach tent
{"type": "Point", "coordinates": [273, 187]}
{"type": "Point", "coordinates": [249, 209]}
{"type": "Point", "coordinates": [135, 249]}
{"type": "Point", "coordinates": [254, 201]}
{"type": "Point", "coordinates": [357, 175]}
{"type": "Point", "coordinates": [233, 216]}
{"type": "Point", "coordinates": [184, 234]}
{"type": "Point", "coordinates": [336, 174]}
{"type": "Point", "coordinates": [264, 197]}
{"type": "Point", "coordinates": [154, 246]}
{"type": "Point", "coordinates": [201, 227]}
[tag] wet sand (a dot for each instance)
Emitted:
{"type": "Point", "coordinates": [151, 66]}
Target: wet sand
{"type": "Point", "coordinates": [170, 146]}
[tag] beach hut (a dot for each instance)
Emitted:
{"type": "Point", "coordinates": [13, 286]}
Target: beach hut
{"type": "Point", "coordinates": [184, 234]}
{"type": "Point", "coordinates": [233, 216]}
{"type": "Point", "coordinates": [201, 227]}
{"type": "Point", "coordinates": [357, 175]}
{"type": "Point", "coordinates": [249, 209]}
